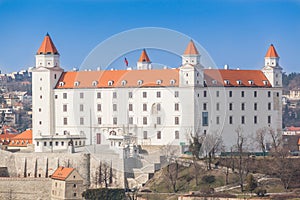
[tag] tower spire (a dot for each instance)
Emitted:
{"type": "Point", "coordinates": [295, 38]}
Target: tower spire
{"type": "Point", "coordinates": [191, 49]}
{"type": "Point", "coordinates": [271, 53]}
{"type": "Point", "coordinates": [144, 57]}
{"type": "Point", "coordinates": [47, 46]}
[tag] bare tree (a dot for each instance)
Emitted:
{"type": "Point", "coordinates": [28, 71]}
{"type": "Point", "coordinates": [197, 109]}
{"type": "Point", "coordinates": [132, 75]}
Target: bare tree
{"type": "Point", "coordinates": [211, 144]}
{"type": "Point", "coordinates": [276, 138]}
{"type": "Point", "coordinates": [260, 138]}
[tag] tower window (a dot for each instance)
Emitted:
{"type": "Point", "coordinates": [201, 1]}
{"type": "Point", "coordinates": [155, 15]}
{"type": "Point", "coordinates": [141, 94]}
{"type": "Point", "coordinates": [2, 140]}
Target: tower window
{"type": "Point", "coordinates": [158, 135]}
{"type": "Point", "coordinates": [144, 120]}
{"type": "Point", "coordinates": [114, 95]}
{"type": "Point", "coordinates": [242, 94]}
{"type": "Point", "coordinates": [64, 95]}
{"type": "Point", "coordinates": [255, 93]}
{"type": "Point", "coordinates": [176, 134]}
{"type": "Point", "coordinates": [176, 120]}
{"type": "Point", "coordinates": [81, 95]}
{"type": "Point", "coordinates": [158, 94]}
{"type": "Point", "coordinates": [230, 93]}
{"type": "Point", "coordinates": [54, 76]}
{"type": "Point", "coordinates": [144, 94]}
{"type": "Point", "coordinates": [81, 121]}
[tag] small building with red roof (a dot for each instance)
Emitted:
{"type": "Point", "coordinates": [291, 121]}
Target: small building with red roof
{"type": "Point", "coordinates": [21, 141]}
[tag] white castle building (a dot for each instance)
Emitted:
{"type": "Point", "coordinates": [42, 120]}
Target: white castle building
{"type": "Point", "coordinates": [149, 106]}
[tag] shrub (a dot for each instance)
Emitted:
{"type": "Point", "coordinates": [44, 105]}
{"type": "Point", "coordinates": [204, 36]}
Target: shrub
{"type": "Point", "coordinates": [209, 179]}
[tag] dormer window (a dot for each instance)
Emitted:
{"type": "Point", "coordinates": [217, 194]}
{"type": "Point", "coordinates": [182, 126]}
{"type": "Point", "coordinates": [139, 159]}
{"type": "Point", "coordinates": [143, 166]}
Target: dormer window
{"type": "Point", "coordinates": [158, 82]}
{"type": "Point", "coordinates": [214, 82]}
{"type": "Point", "coordinates": [110, 83]}
{"type": "Point", "coordinates": [94, 83]}
{"type": "Point", "coordinates": [251, 82]}
{"type": "Point", "coordinates": [61, 84]}
{"type": "Point", "coordinates": [140, 82]}
{"type": "Point", "coordinates": [76, 83]}
{"type": "Point", "coordinates": [239, 82]}
{"type": "Point", "coordinates": [124, 82]}
{"type": "Point", "coordinates": [172, 82]}
{"type": "Point", "coordinates": [227, 82]}
{"type": "Point", "coordinates": [265, 82]}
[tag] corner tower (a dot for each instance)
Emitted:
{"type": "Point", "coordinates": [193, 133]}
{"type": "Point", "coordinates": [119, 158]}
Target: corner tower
{"type": "Point", "coordinates": [272, 69]}
{"type": "Point", "coordinates": [44, 79]}
{"type": "Point", "coordinates": [144, 61]}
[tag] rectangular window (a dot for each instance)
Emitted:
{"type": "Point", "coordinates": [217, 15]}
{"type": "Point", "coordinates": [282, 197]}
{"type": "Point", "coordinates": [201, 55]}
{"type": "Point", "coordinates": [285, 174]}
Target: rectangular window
{"type": "Point", "coordinates": [204, 93]}
{"type": "Point", "coordinates": [243, 120]}
{"type": "Point", "coordinates": [217, 120]}
{"type": "Point", "coordinates": [62, 144]}
{"type": "Point", "coordinates": [204, 118]}
{"type": "Point", "coordinates": [158, 94]}
{"type": "Point", "coordinates": [230, 120]}
{"type": "Point", "coordinates": [176, 120]}
{"type": "Point", "coordinates": [115, 121]}
{"type": "Point", "coordinates": [144, 94]}
{"type": "Point", "coordinates": [99, 107]}
{"type": "Point", "coordinates": [145, 134]}
{"type": "Point", "coordinates": [176, 106]}
{"type": "Point", "coordinates": [255, 106]}
{"type": "Point", "coordinates": [99, 120]}
{"type": "Point", "coordinates": [130, 120]}
{"type": "Point", "coordinates": [81, 107]}
{"type": "Point", "coordinates": [269, 106]}
{"type": "Point", "coordinates": [176, 134]}
{"type": "Point", "coordinates": [81, 95]}
{"type": "Point", "coordinates": [158, 120]}
{"type": "Point", "coordinates": [255, 93]}
{"type": "Point", "coordinates": [114, 107]}
{"type": "Point", "coordinates": [269, 119]}
{"type": "Point", "coordinates": [81, 121]}
{"type": "Point", "coordinates": [114, 95]}
{"type": "Point", "coordinates": [204, 106]}
{"type": "Point", "coordinates": [130, 107]}
{"type": "Point", "coordinates": [65, 108]}
{"type": "Point", "coordinates": [144, 120]}
{"type": "Point", "coordinates": [230, 93]}
{"type": "Point", "coordinates": [64, 95]}
{"type": "Point", "coordinates": [158, 107]}
{"type": "Point", "coordinates": [144, 107]}
{"type": "Point", "coordinates": [176, 94]}
{"type": "Point", "coordinates": [65, 121]}
{"type": "Point", "coordinates": [269, 93]}
{"type": "Point", "coordinates": [158, 135]}
{"type": "Point", "coordinates": [56, 96]}
{"type": "Point", "coordinates": [45, 143]}
{"type": "Point", "coordinates": [217, 93]}
{"type": "Point", "coordinates": [130, 95]}
{"type": "Point", "coordinates": [218, 106]}
{"type": "Point", "coordinates": [242, 94]}
{"type": "Point", "coordinates": [98, 95]}
{"type": "Point", "coordinates": [243, 106]}
{"type": "Point", "coordinates": [255, 119]}
{"type": "Point", "coordinates": [230, 106]}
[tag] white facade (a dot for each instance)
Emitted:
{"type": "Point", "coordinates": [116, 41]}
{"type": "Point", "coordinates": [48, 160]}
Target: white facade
{"type": "Point", "coordinates": [165, 110]}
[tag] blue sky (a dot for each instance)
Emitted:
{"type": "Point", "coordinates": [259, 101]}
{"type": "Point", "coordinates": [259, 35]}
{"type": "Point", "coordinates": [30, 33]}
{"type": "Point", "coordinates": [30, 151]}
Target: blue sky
{"type": "Point", "coordinates": [234, 32]}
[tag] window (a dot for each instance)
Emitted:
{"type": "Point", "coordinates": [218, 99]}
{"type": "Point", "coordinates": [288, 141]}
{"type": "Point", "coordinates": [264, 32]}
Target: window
{"type": "Point", "coordinates": [230, 93]}
{"type": "Point", "coordinates": [94, 83]}
{"type": "Point", "coordinates": [176, 134]}
{"type": "Point", "coordinates": [124, 82]}
{"type": "Point", "coordinates": [45, 143]}
{"type": "Point", "coordinates": [114, 95]}
{"type": "Point", "coordinates": [172, 82]}
{"type": "Point", "coordinates": [255, 93]}
{"type": "Point", "coordinates": [76, 83]}
{"type": "Point", "coordinates": [65, 108]}
{"type": "Point", "coordinates": [99, 107]}
{"type": "Point", "coordinates": [40, 110]}
{"type": "Point", "coordinates": [81, 107]}
{"type": "Point", "coordinates": [144, 107]}
{"type": "Point", "coordinates": [140, 82]}
{"type": "Point", "coordinates": [64, 95]}
{"type": "Point", "coordinates": [99, 120]}
{"type": "Point", "coordinates": [230, 106]}
{"type": "Point", "coordinates": [81, 121]}
{"type": "Point", "coordinates": [75, 194]}
{"type": "Point", "coordinates": [242, 94]}
{"type": "Point", "coordinates": [98, 95]}
{"type": "Point", "coordinates": [144, 120]}
{"type": "Point", "coordinates": [218, 106]}
{"type": "Point", "coordinates": [204, 106]}
{"type": "Point", "coordinates": [243, 106]}
{"type": "Point", "coordinates": [145, 135]}
{"type": "Point", "coordinates": [115, 121]}
{"type": "Point", "coordinates": [144, 94]}
{"type": "Point", "coordinates": [243, 120]}
{"type": "Point", "coordinates": [37, 143]}
{"type": "Point", "coordinates": [277, 94]}
{"type": "Point", "coordinates": [50, 143]}
{"type": "Point", "coordinates": [269, 93]}
{"type": "Point", "coordinates": [41, 97]}
{"type": "Point", "coordinates": [40, 122]}
{"type": "Point", "coordinates": [158, 135]}
{"type": "Point", "coordinates": [204, 93]}
{"type": "Point", "coordinates": [176, 106]}
{"type": "Point", "coordinates": [158, 107]}
{"type": "Point", "coordinates": [55, 96]}
{"type": "Point", "coordinates": [230, 120]}
{"type": "Point", "coordinates": [217, 93]}
{"type": "Point", "coordinates": [62, 143]}
{"type": "Point", "coordinates": [74, 186]}
{"type": "Point", "coordinates": [114, 107]}
{"type": "Point", "coordinates": [158, 120]}
{"type": "Point", "coordinates": [176, 120]}
{"type": "Point", "coordinates": [110, 83]}
{"type": "Point", "coordinates": [130, 120]}
{"type": "Point", "coordinates": [255, 106]}
{"type": "Point", "coordinates": [130, 95]}
{"type": "Point", "coordinates": [269, 119]}
{"type": "Point", "coordinates": [269, 106]}
{"type": "Point", "coordinates": [176, 94]}
{"type": "Point", "coordinates": [158, 82]}
{"type": "Point", "coordinates": [158, 94]}
{"type": "Point", "coordinates": [204, 118]}
{"type": "Point", "coordinates": [81, 95]}
{"type": "Point", "coordinates": [255, 119]}
{"type": "Point", "coordinates": [130, 107]}
{"type": "Point", "coordinates": [61, 84]}
{"type": "Point", "coordinates": [217, 120]}
{"type": "Point", "coordinates": [65, 121]}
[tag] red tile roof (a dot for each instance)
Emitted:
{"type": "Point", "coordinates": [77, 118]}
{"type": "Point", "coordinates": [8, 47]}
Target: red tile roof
{"type": "Point", "coordinates": [235, 78]}
{"type": "Point", "coordinates": [292, 128]}
{"type": "Point", "coordinates": [144, 57]}
{"type": "Point", "coordinates": [271, 52]}
{"type": "Point", "coordinates": [191, 49]}
{"type": "Point", "coordinates": [47, 46]}
{"type": "Point", "coordinates": [299, 141]}
{"type": "Point", "coordinates": [62, 173]}
{"type": "Point", "coordinates": [22, 139]}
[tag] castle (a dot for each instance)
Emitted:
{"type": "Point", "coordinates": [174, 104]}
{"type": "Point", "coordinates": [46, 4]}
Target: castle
{"type": "Point", "coordinates": [146, 106]}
